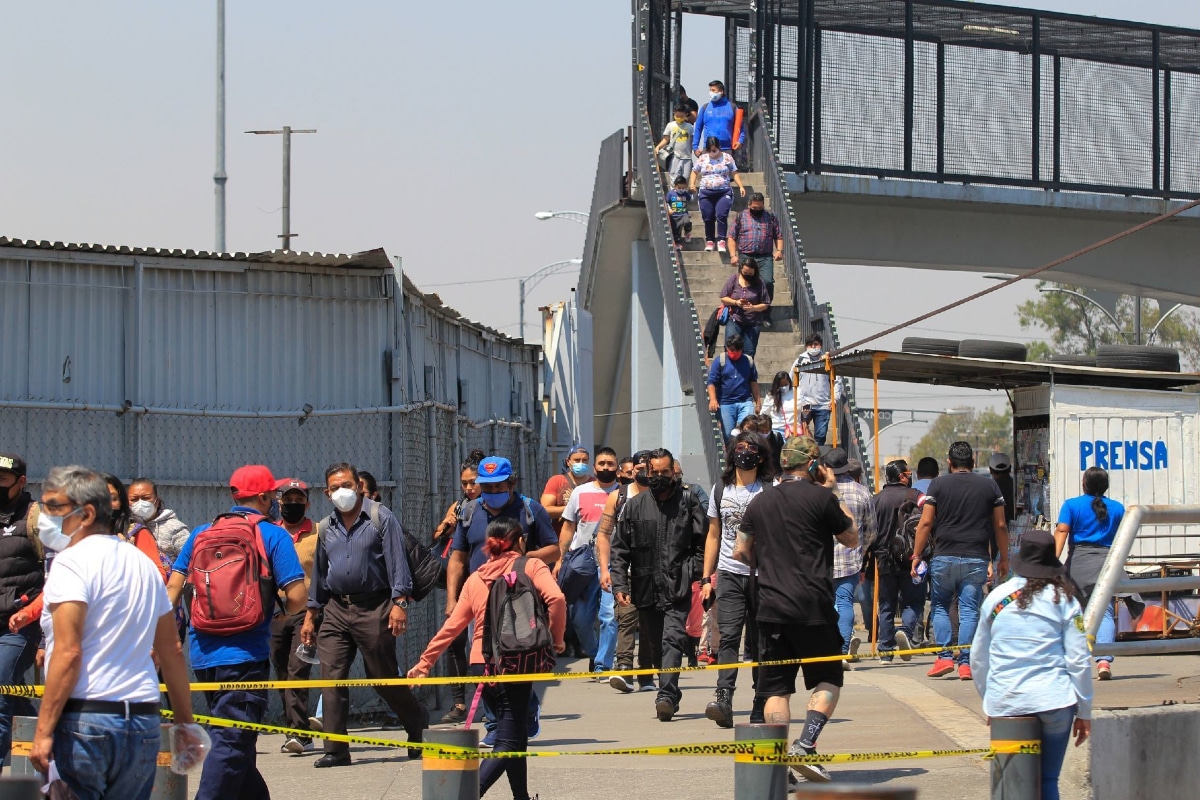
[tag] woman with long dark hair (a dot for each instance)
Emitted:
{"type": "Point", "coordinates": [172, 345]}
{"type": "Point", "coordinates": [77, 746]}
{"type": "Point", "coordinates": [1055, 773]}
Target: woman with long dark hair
{"type": "Point", "coordinates": [1030, 656]}
{"type": "Point", "coordinates": [509, 701]}
{"type": "Point", "coordinates": [782, 407]}
{"type": "Point", "coordinates": [1089, 522]}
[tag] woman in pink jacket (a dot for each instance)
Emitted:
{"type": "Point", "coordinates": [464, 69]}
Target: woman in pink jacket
{"type": "Point", "coordinates": [508, 700]}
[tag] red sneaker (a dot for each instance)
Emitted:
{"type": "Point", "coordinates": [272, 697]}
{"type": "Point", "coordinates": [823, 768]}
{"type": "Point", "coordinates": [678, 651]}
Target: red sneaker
{"type": "Point", "coordinates": [1103, 671]}
{"type": "Point", "coordinates": [964, 672]}
{"type": "Point", "coordinates": [943, 666]}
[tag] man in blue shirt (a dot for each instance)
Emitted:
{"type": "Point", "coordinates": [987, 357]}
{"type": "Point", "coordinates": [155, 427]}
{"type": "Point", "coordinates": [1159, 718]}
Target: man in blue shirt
{"type": "Point", "coordinates": [717, 118]}
{"type": "Point", "coordinates": [733, 385]}
{"type": "Point", "coordinates": [230, 770]}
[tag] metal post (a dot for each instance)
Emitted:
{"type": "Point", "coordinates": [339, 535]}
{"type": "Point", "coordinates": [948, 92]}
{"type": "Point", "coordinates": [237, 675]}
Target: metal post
{"type": "Point", "coordinates": [1035, 128]}
{"type": "Point", "coordinates": [521, 306]}
{"type": "Point", "coordinates": [20, 788]}
{"type": "Point", "coordinates": [450, 778]}
{"type": "Point", "coordinates": [756, 780]}
{"type": "Point", "coordinates": [909, 85]}
{"type": "Point", "coordinates": [219, 177]}
{"type": "Point", "coordinates": [286, 210]}
{"type": "Point", "coordinates": [1016, 776]}
{"type": "Point", "coordinates": [1137, 319]}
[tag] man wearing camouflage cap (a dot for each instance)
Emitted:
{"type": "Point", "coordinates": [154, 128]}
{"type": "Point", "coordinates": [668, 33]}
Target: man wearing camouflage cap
{"type": "Point", "coordinates": [788, 532]}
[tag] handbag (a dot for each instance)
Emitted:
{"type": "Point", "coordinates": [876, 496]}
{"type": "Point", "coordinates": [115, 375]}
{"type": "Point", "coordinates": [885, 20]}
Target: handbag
{"type": "Point", "coordinates": [578, 571]}
{"type": "Point", "coordinates": [723, 315]}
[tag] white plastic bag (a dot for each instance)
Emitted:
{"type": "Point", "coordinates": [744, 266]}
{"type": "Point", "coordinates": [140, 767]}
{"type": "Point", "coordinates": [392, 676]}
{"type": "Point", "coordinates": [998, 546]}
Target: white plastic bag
{"type": "Point", "coordinates": [190, 744]}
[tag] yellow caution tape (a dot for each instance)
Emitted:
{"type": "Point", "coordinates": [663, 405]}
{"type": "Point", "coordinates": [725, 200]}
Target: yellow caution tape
{"type": "Point", "coordinates": [21, 690]}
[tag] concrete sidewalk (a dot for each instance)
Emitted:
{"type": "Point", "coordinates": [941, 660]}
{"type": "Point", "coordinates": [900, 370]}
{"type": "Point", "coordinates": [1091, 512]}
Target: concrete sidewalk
{"type": "Point", "coordinates": [882, 708]}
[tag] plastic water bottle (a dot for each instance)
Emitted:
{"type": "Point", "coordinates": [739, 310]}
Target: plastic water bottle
{"type": "Point", "coordinates": [308, 654]}
{"type": "Point", "coordinates": [922, 568]}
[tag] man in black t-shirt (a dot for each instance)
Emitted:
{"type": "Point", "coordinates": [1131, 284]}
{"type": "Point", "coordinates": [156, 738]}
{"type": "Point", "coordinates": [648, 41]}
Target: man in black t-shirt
{"type": "Point", "coordinates": [965, 512]}
{"type": "Point", "coordinates": [788, 532]}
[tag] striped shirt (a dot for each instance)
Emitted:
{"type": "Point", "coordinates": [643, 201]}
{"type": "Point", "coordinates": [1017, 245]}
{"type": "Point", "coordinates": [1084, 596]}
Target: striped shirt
{"type": "Point", "coordinates": [848, 560]}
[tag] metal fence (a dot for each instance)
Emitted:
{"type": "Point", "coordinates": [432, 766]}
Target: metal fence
{"type": "Point", "coordinates": [962, 92]}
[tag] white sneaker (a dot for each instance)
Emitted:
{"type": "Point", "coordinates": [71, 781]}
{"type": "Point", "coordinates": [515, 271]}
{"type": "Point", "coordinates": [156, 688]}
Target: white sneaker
{"type": "Point", "coordinates": [709, 246]}
{"type": "Point", "coordinates": [855, 643]}
{"type": "Point", "coordinates": [621, 684]}
{"type": "Point", "coordinates": [297, 745]}
{"type": "Point", "coordinates": [722, 247]}
{"type": "Point", "coordinates": [903, 643]}
{"type": "Point", "coordinates": [806, 772]}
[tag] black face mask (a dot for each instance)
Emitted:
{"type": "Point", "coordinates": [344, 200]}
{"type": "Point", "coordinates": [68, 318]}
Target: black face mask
{"type": "Point", "coordinates": [606, 475]}
{"type": "Point", "coordinates": [641, 479]}
{"type": "Point", "coordinates": [7, 498]}
{"type": "Point", "coordinates": [745, 459]}
{"type": "Point", "coordinates": [292, 512]}
{"type": "Point", "coordinates": [756, 213]}
{"type": "Point", "coordinates": [661, 484]}
{"type": "Point", "coordinates": [624, 480]}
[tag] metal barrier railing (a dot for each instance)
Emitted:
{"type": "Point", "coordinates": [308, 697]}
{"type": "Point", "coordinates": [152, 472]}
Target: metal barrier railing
{"type": "Point", "coordinates": [1113, 580]}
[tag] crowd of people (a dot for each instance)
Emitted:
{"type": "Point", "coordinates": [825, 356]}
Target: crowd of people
{"type": "Point", "coordinates": [624, 554]}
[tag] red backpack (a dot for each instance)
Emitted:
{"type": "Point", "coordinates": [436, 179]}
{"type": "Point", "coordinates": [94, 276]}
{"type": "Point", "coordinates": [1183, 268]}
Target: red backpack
{"type": "Point", "coordinates": [232, 588]}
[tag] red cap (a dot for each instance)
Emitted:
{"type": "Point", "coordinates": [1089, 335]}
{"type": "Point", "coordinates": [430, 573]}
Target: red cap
{"type": "Point", "coordinates": [287, 484]}
{"type": "Point", "coordinates": [251, 480]}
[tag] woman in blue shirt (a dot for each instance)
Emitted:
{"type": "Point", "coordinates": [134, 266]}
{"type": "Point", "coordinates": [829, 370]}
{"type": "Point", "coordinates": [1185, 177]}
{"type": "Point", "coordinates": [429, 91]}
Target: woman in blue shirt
{"type": "Point", "coordinates": [1090, 523]}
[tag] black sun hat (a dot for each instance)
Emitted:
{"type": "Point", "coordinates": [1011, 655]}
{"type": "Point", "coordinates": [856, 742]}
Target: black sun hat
{"type": "Point", "coordinates": [1036, 558]}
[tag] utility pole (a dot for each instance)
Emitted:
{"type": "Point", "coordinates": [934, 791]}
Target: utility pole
{"type": "Point", "coordinates": [219, 177]}
{"type": "Point", "coordinates": [287, 132]}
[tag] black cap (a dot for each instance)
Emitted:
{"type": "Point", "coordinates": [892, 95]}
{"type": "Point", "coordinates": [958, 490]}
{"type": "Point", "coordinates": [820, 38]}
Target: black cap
{"type": "Point", "coordinates": [837, 461]}
{"type": "Point", "coordinates": [11, 462]}
{"type": "Point", "coordinates": [1036, 558]}
{"type": "Point", "coordinates": [999, 462]}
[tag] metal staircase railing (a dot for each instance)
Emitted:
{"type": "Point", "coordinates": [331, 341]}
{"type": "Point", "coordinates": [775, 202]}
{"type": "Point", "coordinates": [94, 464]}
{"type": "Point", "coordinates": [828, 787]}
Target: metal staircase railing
{"type": "Point", "coordinates": [680, 309]}
{"type": "Point", "coordinates": [810, 315]}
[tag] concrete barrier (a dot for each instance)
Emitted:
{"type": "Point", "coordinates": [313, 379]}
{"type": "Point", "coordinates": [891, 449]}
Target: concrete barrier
{"type": "Point", "coordinates": [1144, 753]}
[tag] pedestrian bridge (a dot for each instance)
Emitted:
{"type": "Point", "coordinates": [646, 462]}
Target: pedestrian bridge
{"type": "Point", "coordinates": [913, 133]}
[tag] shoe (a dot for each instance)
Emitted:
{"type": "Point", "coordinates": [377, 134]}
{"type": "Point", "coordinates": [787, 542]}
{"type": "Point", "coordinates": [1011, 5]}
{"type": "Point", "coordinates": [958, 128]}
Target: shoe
{"type": "Point", "coordinates": [418, 736]}
{"type": "Point", "coordinates": [489, 740]}
{"type": "Point", "coordinates": [455, 715]}
{"type": "Point", "coordinates": [600, 677]}
{"type": "Point", "coordinates": [846, 666]}
{"type": "Point", "coordinates": [885, 661]}
{"type": "Point", "coordinates": [964, 672]}
{"type": "Point", "coordinates": [903, 643]}
{"type": "Point", "coordinates": [765, 324]}
{"type": "Point", "coordinates": [647, 687]}
{"type": "Point", "coordinates": [533, 725]}
{"type": "Point", "coordinates": [665, 707]}
{"type": "Point", "coordinates": [756, 711]}
{"type": "Point", "coordinates": [294, 744]}
{"type": "Point", "coordinates": [943, 666]}
{"type": "Point", "coordinates": [709, 246]}
{"type": "Point", "coordinates": [687, 237]}
{"type": "Point", "coordinates": [720, 710]}
{"type": "Point", "coordinates": [855, 644]}
{"type": "Point", "coordinates": [621, 684]}
{"type": "Point", "coordinates": [706, 658]}
{"type": "Point", "coordinates": [1103, 671]}
{"type": "Point", "coordinates": [391, 723]}
{"type": "Point", "coordinates": [806, 772]}
{"type": "Point", "coordinates": [722, 247]}
{"type": "Point", "coordinates": [316, 724]}
{"type": "Point", "coordinates": [332, 760]}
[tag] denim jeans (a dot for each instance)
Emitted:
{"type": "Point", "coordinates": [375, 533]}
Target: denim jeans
{"type": "Point", "coordinates": [508, 701]}
{"type": "Point", "coordinates": [1106, 634]}
{"type": "Point", "coordinates": [1056, 736]}
{"type": "Point", "coordinates": [16, 657]}
{"type": "Point", "coordinates": [820, 423]}
{"type": "Point", "coordinates": [749, 334]}
{"type": "Point", "coordinates": [737, 608]}
{"type": "Point", "coordinates": [582, 614]}
{"type": "Point", "coordinates": [606, 649]}
{"type": "Point", "coordinates": [231, 768]}
{"type": "Point", "coordinates": [108, 757]}
{"type": "Point", "coordinates": [911, 597]}
{"type": "Point", "coordinates": [733, 413]}
{"type": "Point", "coordinates": [843, 601]}
{"type": "Point", "coordinates": [954, 576]}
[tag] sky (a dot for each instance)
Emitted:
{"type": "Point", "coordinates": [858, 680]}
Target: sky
{"type": "Point", "coordinates": [439, 136]}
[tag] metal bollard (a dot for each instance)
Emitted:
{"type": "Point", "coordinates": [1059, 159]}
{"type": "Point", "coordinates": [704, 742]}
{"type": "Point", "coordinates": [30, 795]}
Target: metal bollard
{"type": "Point", "coordinates": [847, 791]}
{"type": "Point", "coordinates": [760, 781]}
{"type": "Point", "coordinates": [20, 788]}
{"type": "Point", "coordinates": [1017, 776]}
{"type": "Point", "coordinates": [167, 785]}
{"type": "Point", "coordinates": [450, 778]}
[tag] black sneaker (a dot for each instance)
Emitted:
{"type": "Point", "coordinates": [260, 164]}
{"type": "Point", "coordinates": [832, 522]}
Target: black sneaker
{"type": "Point", "coordinates": [756, 711]}
{"type": "Point", "coordinates": [455, 715]}
{"type": "Point", "coordinates": [720, 710]}
{"type": "Point", "coordinates": [665, 707]}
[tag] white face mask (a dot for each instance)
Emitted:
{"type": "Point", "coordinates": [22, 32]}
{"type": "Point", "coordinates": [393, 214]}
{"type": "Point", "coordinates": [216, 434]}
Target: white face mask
{"type": "Point", "coordinates": [50, 532]}
{"type": "Point", "coordinates": [814, 351]}
{"type": "Point", "coordinates": [714, 95]}
{"type": "Point", "coordinates": [142, 510]}
{"type": "Point", "coordinates": [344, 499]}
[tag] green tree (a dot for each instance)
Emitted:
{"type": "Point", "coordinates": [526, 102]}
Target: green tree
{"type": "Point", "coordinates": [1076, 326]}
{"type": "Point", "coordinates": [987, 431]}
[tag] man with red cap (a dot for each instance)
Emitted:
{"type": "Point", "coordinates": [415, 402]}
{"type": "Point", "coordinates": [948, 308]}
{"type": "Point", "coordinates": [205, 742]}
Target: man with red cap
{"type": "Point", "coordinates": [230, 771]}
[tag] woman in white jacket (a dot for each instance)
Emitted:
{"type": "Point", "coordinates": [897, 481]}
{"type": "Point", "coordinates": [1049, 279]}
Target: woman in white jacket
{"type": "Point", "coordinates": [1030, 655]}
{"type": "Point", "coordinates": [147, 507]}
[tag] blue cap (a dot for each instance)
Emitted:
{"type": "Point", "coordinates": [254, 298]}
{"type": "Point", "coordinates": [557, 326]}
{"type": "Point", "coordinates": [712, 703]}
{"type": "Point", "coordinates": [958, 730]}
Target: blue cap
{"type": "Point", "coordinates": [494, 469]}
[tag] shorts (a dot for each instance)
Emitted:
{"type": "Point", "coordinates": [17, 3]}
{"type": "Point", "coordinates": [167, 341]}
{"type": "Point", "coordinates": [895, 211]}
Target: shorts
{"type": "Point", "coordinates": [779, 642]}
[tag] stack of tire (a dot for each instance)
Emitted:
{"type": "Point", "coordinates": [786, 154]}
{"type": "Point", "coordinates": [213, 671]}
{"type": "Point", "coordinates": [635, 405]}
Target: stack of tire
{"type": "Point", "coordinates": [967, 348]}
{"type": "Point", "coordinates": [1108, 356]}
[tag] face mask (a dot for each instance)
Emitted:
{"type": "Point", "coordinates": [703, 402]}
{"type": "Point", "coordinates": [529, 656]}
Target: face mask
{"type": "Point", "coordinates": [734, 355]}
{"type": "Point", "coordinates": [661, 484]}
{"type": "Point", "coordinates": [748, 275]}
{"type": "Point", "coordinates": [813, 352]}
{"type": "Point", "coordinates": [624, 480]}
{"type": "Point", "coordinates": [50, 532]}
{"type": "Point", "coordinates": [495, 499]}
{"type": "Point", "coordinates": [714, 95]}
{"type": "Point", "coordinates": [641, 479]}
{"type": "Point", "coordinates": [745, 459]}
{"type": "Point", "coordinates": [142, 510]}
{"type": "Point", "coordinates": [292, 512]}
{"type": "Point", "coordinates": [606, 475]}
{"type": "Point", "coordinates": [757, 212]}
{"type": "Point", "coordinates": [344, 499]}
{"type": "Point", "coordinates": [579, 469]}
{"type": "Point", "coordinates": [8, 500]}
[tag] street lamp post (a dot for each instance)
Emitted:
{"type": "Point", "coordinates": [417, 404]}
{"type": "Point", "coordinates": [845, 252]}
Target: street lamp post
{"type": "Point", "coordinates": [529, 281]}
{"type": "Point", "coordinates": [1103, 310]}
{"type": "Point", "coordinates": [580, 217]}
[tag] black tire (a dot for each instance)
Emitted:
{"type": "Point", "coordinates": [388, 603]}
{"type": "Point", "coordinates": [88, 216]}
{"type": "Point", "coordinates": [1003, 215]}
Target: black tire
{"type": "Point", "coordinates": [929, 347]}
{"type": "Point", "coordinates": [1072, 360]}
{"type": "Point", "coordinates": [1144, 357]}
{"type": "Point", "coordinates": [985, 348]}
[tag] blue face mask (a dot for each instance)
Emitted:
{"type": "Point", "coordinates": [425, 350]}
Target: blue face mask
{"type": "Point", "coordinates": [580, 468]}
{"type": "Point", "coordinates": [495, 499]}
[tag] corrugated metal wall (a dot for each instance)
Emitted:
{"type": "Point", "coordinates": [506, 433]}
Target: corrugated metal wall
{"type": "Point", "coordinates": [178, 360]}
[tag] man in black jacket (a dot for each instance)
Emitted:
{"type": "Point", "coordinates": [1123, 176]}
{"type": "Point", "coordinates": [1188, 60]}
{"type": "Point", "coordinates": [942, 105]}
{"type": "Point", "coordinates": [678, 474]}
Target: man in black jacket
{"type": "Point", "coordinates": [21, 575]}
{"type": "Point", "coordinates": [657, 551]}
{"type": "Point", "coordinates": [893, 504]}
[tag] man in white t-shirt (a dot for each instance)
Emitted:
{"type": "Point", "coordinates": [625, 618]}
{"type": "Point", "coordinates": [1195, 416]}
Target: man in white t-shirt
{"type": "Point", "coordinates": [105, 609]}
{"type": "Point", "coordinates": [748, 471]}
{"type": "Point", "coordinates": [581, 520]}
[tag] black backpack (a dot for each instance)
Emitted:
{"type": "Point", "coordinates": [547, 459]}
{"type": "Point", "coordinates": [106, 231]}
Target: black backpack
{"type": "Point", "coordinates": [899, 548]}
{"type": "Point", "coordinates": [516, 625]}
{"type": "Point", "coordinates": [427, 570]}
